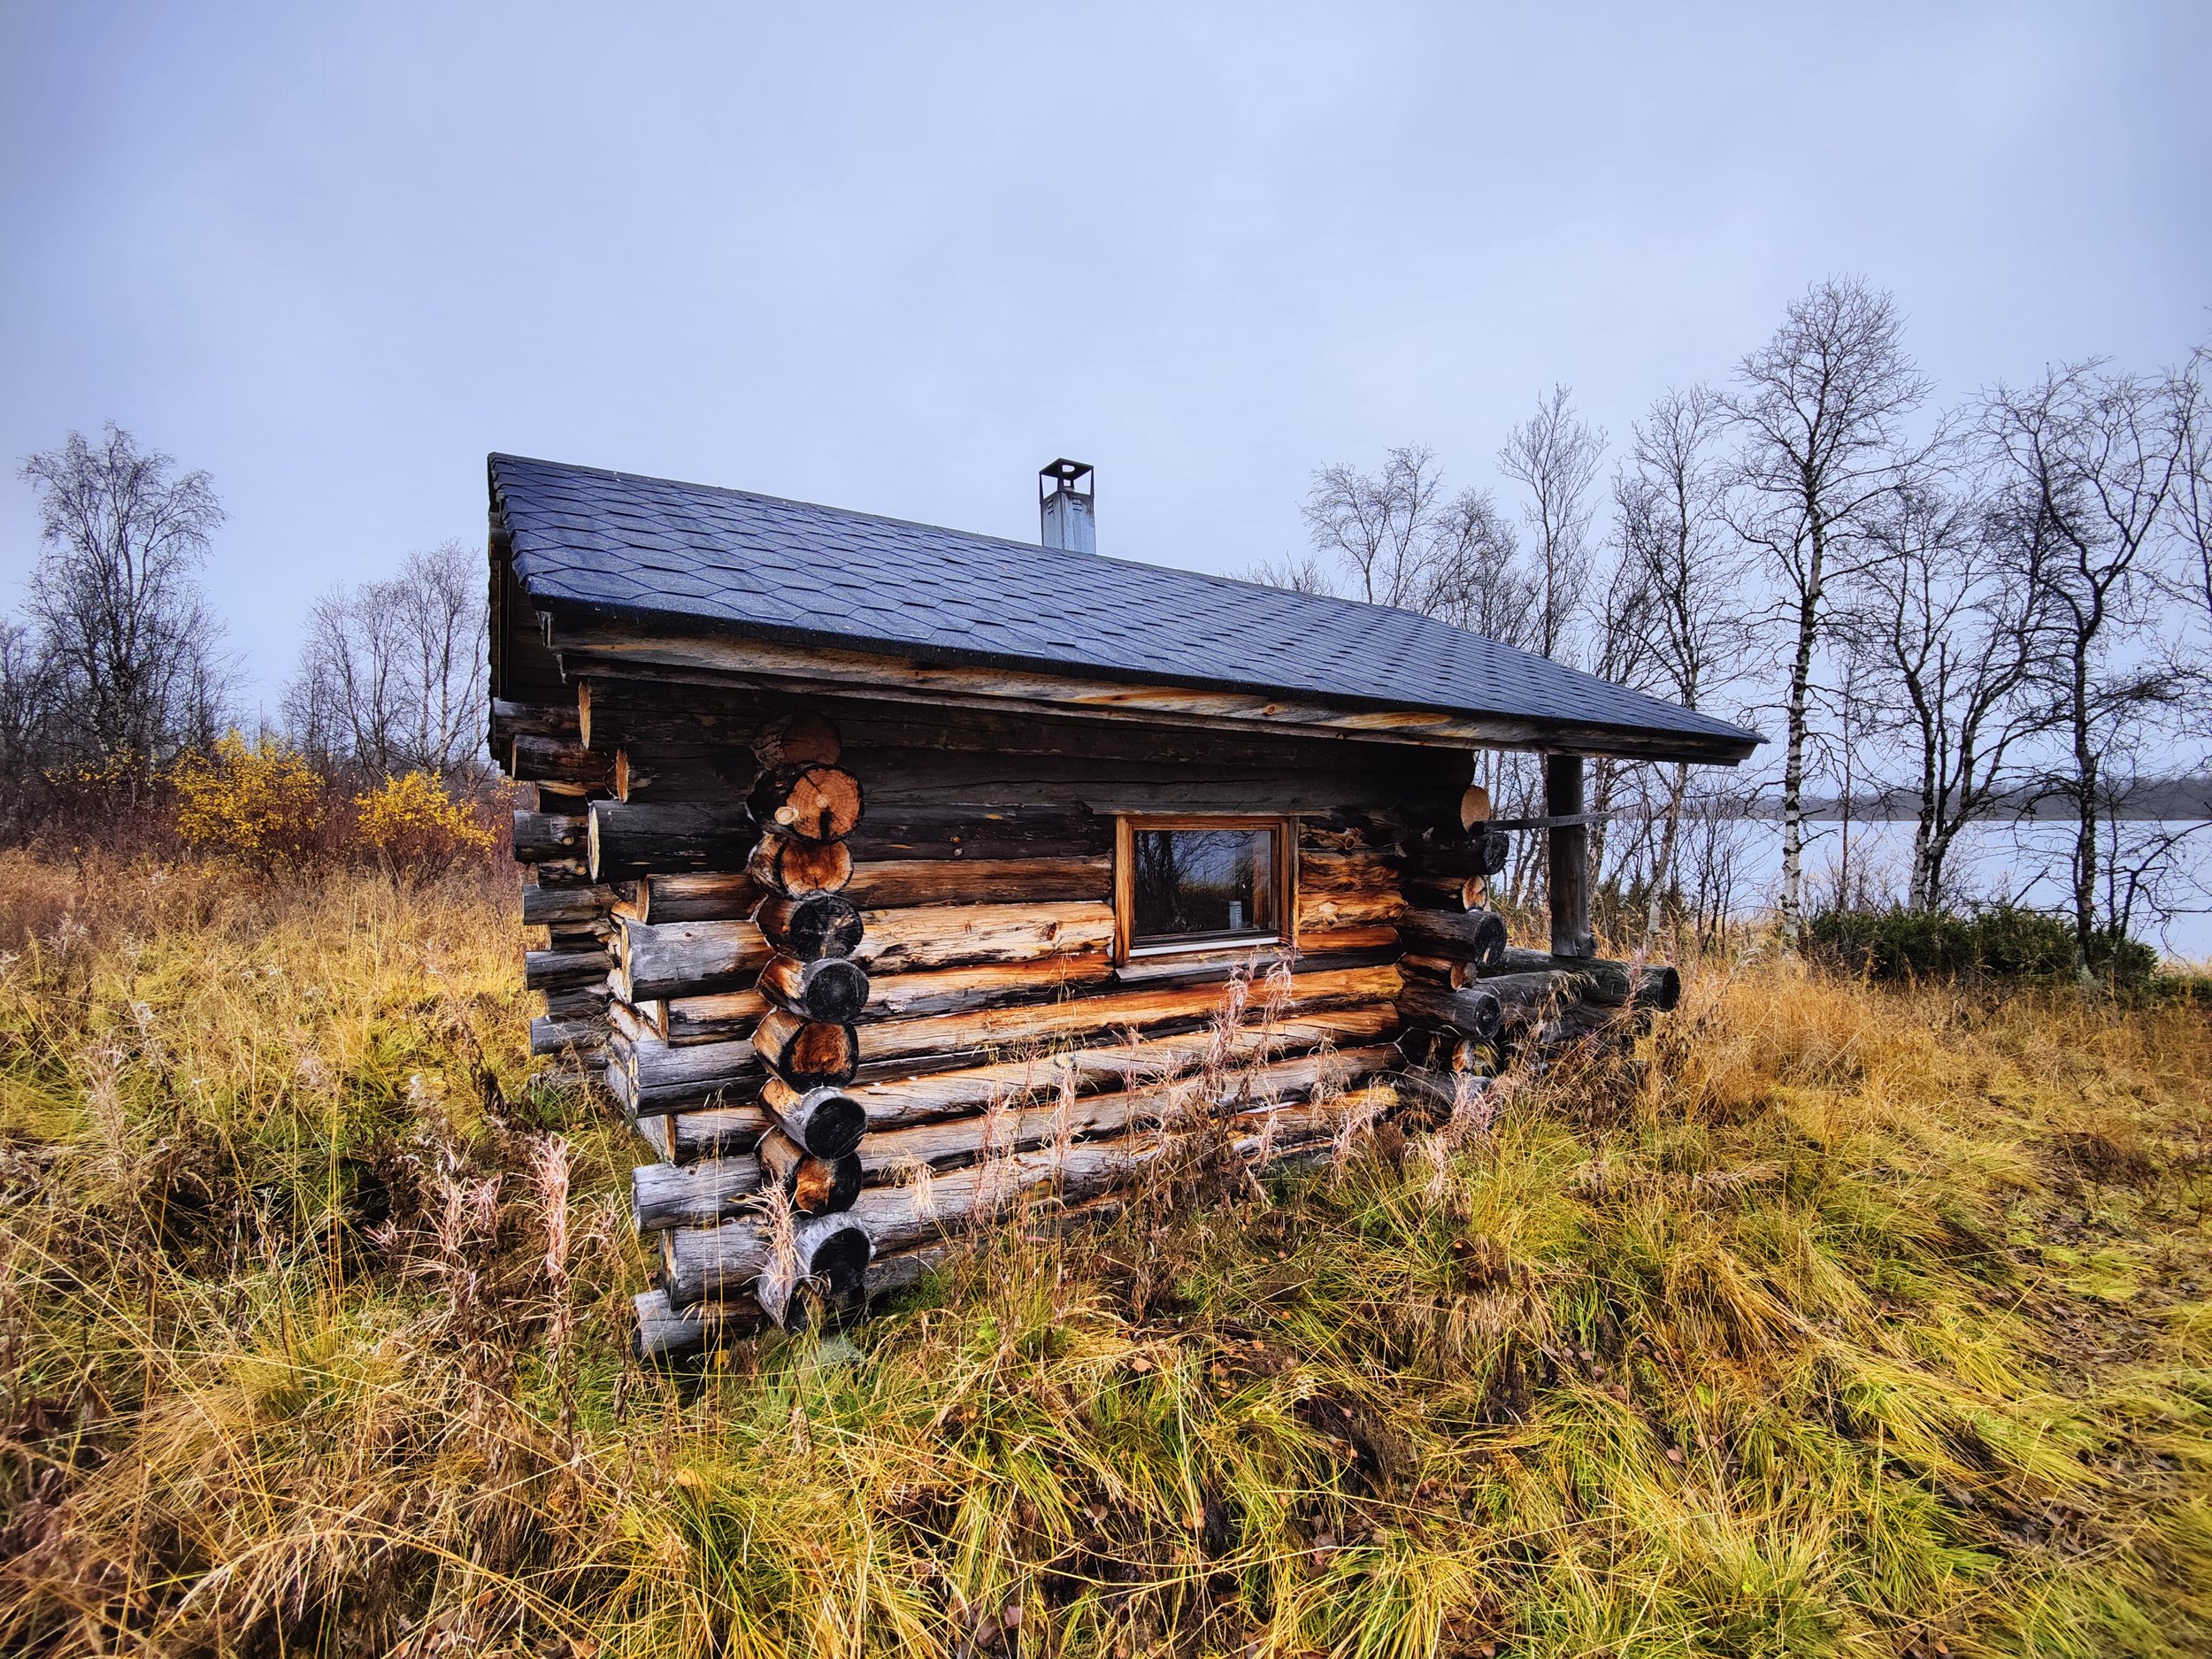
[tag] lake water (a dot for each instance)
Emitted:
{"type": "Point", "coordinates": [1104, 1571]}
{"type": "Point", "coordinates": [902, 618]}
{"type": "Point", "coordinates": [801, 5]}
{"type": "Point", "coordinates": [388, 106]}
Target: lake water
{"type": "Point", "coordinates": [2016, 861]}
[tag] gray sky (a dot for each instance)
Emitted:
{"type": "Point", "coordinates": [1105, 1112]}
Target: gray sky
{"type": "Point", "coordinates": [896, 258]}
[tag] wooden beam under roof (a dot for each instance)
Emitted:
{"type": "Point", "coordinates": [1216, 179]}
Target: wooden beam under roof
{"type": "Point", "coordinates": [592, 645]}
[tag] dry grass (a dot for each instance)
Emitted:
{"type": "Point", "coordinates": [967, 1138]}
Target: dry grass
{"type": "Point", "coordinates": [1835, 1322]}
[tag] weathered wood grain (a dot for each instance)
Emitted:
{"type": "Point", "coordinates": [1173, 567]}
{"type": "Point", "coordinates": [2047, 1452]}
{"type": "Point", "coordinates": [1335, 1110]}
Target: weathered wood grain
{"type": "Point", "coordinates": [638, 838]}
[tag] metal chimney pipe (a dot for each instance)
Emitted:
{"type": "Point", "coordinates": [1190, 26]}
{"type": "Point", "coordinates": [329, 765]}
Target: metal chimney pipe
{"type": "Point", "coordinates": [1067, 516]}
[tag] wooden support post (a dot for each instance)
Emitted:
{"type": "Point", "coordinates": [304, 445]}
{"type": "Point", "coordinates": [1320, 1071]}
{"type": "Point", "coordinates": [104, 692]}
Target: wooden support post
{"type": "Point", "coordinates": [1570, 871]}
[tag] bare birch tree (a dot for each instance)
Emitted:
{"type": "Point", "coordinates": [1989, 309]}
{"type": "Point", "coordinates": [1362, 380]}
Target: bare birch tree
{"type": "Point", "coordinates": [1670, 498]}
{"type": "Point", "coordinates": [391, 676]}
{"type": "Point", "coordinates": [1821, 409]}
{"type": "Point", "coordinates": [1377, 525]}
{"type": "Point", "coordinates": [1555, 455]}
{"type": "Point", "coordinates": [1947, 622]}
{"type": "Point", "coordinates": [125, 638]}
{"type": "Point", "coordinates": [2089, 461]}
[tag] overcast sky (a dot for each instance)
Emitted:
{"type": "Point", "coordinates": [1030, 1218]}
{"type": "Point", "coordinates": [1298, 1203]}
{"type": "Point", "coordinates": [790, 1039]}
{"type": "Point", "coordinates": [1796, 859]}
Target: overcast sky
{"type": "Point", "coordinates": [896, 258]}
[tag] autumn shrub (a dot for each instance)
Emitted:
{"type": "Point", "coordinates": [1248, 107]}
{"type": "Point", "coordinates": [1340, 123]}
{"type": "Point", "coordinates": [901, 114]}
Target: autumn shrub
{"type": "Point", "coordinates": [260, 802]}
{"type": "Point", "coordinates": [410, 821]}
{"type": "Point", "coordinates": [1998, 942]}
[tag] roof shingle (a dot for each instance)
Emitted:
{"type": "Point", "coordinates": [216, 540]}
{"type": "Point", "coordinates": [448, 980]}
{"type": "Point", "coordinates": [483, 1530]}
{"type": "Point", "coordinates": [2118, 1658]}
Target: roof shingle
{"type": "Point", "coordinates": [584, 536]}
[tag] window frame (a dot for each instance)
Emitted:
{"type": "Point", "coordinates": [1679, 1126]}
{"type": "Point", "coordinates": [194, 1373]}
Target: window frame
{"type": "Point", "coordinates": [1126, 827]}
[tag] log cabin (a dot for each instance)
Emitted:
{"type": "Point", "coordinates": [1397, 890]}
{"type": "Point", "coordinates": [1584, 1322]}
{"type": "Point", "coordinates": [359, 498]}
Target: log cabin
{"type": "Point", "coordinates": [888, 871]}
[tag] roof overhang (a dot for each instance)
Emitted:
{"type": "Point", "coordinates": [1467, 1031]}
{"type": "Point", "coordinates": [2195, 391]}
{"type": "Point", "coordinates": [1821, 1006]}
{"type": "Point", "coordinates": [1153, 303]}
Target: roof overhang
{"type": "Point", "coordinates": [606, 642]}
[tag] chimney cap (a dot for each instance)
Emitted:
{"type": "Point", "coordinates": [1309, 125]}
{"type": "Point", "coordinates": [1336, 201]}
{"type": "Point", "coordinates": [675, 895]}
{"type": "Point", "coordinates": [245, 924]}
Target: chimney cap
{"type": "Point", "coordinates": [1061, 474]}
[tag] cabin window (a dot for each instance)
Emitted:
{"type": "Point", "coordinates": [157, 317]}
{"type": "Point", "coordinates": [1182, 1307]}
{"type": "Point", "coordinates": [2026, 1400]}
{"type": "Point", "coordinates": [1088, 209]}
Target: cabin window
{"type": "Point", "coordinates": [1201, 883]}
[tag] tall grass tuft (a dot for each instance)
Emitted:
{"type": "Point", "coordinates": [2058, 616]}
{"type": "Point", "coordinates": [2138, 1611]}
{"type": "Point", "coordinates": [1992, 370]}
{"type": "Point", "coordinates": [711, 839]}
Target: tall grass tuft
{"type": "Point", "coordinates": [1830, 1320]}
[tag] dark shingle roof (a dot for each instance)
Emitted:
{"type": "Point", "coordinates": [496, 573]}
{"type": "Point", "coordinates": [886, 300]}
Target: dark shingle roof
{"type": "Point", "coordinates": [781, 569]}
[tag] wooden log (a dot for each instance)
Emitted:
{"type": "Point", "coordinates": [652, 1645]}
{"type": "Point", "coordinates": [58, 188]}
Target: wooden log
{"type": "Point", "coordinates": [666, 1334]}
{"type": "Point", "coordinates": [714, 1016]}
{"type": "Point", "coordinates": [1459, 859]}
{"type": "Point", "coordinates": [1603, 980]}
{"type": "Point", "coordinates": [803, 739]}
{"type": "Point", "coordinates": [587, 935]}
{"type": "Point", "coordinates": [796, 869]}
{"type": "Point", "coordinates": [814, 803]}
{"type": "Point", "coordinates": [699, 1263]}
{"type": "Point", "coordinates": [900, 1217]}
{"type": "Point", "coordinates": [996, 833]}
{"type": "Point", "coordinates": [725, 1131]}
{"type": "Point", "coordinates": [1475, 936]}
{"type": "Point", "coordinates": [665, 1077]}
{"type": "Point", "coordinates": [819, 924]}
{"type": "Point", "coordinates": [1605, 983]}
{"type": "Point", "coordinates": [1380, 905]}
{"type": "Point", "coordinates": [1138, 1009]}
{"type": "Point", "coordinates": [576, 1001]}
{"type": "Point", "coordinates": [1441, 1091]}
{"type": "Point", "coordinates": [1438, 970]}
{"type": "Point", "coordinates": [1018, 1126]}
{"type": "Point", "coordinates": [964, 935]}
{"type": "Point", "coordinates": [712, 1132]}
{"type": "Point", "coordinates": [542, 970]}
{"type": "Point", "coordinates": [511, 720]}
{"type": "Point", "coordinates": [684, 958]}
{"type": "Point", "coordinates": [1476, 1012]}
{"type": "Point", "coordinates": [828, 1123]}
{"type": "Point", "coordinates": [1335, 874]}
{"type": "Point", "coordinates": [561, 872]}
{"type": "Point", "coordinates": [1658, 987]}
{"type": "Point", "coordinates": [1521, 994]}
{"type": "Point", "coordinates": [540, 836]}
{"type": "Point", "coordinates": [685, 772]}
{"type": "Point", "coordinates": [1474, 806]}
{"type": "Point", "coordinates": [550, 760]}
{"type": "Point", "coordinates": [915, 881]}
{"type": "Point", "coordinates": [816, 1187]}
{"type": "Point", "coordinates": [895, 1102]}
{"type": "Point", "coordinates": [613, 712]}
{"type": "Point", "coordinates": [829, 991]}
{"type": "Point", "coordinates": [805, 1054]}
{"type": "Point", "coordinates": [548, 1035]}
{"type": "Point", "coordinates": [834, 1281]}
{"type": "Point", "coordinates": [704, 1193]}
{"type": "Point", "coordinates": [698, 897]}
{"type": "Point", "coordinates": [1445, 892]}
{"type": "Point", "coordinates": [544, 907]}
{"type": "Point", "coordinates": [663, 1195]}
{"type": "Point", "coordinates": [637, 838]}
{"type": "Point", "coordinates": [995, 985]}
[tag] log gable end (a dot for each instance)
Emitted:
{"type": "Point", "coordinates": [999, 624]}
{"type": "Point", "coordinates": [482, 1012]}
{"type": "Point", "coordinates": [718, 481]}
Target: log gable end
{"type": "Point", "coordinates": [864, 955]}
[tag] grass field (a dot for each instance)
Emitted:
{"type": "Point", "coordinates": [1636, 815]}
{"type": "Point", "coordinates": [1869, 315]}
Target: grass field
{"type": "Point", "coordinates": [1838, 1321]}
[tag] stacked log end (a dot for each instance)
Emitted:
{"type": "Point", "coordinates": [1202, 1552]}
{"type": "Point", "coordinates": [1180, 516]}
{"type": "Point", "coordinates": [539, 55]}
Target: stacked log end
{"type": "Point", "coordinates": [1451, 938]}
{"type": "Point", "coordinates": [741, 918]}
{"type": "Point", "coordinates": [542, 749]}
{"type": "Point", "coordinates": [1470, 997]}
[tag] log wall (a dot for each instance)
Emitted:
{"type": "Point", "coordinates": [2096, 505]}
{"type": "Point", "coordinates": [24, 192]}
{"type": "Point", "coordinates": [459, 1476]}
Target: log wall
{"type": "Point", "coordinates": [848, 965]}
{"type": "Point", "coordinates": [924, 932]}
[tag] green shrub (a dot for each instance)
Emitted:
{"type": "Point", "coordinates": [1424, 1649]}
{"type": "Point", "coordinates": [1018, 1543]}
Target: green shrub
{"type": "Point", "coordinates": [2004, 941]}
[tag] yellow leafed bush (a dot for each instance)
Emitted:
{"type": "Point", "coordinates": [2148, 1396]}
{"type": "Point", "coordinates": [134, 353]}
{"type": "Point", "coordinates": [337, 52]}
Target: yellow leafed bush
{"type": "Point", "coordinates": [260, 800]}
{"type": "Point", "coordinates": [410, 820]}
